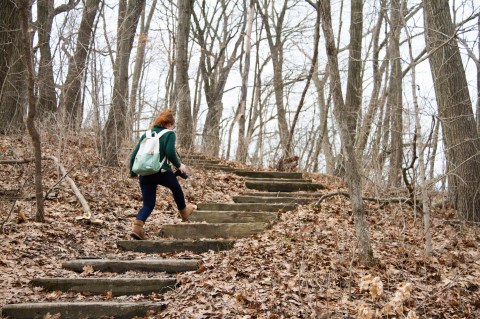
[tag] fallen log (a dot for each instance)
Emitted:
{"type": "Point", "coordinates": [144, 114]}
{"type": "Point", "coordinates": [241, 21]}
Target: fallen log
{"type": "Point", "coordinates": [16, 161]}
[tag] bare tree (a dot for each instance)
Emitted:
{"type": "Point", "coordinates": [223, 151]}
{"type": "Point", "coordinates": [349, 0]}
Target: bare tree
{"type": "Point", "coordinates": [275, 21]}
{"type": "Point", "coordinates": [168, 8]}
{"type": "Point", "coordinates": [395, 94]}
{"type": "Point", "coordinates": [478, 79]}
{"type": "Point", "coordinates": [378, 70]}
{"type": "Point", "coordinates": [353, 100]}
{"type": "Point", "coordinates": [70, 98]}
{"type": "Point", "coordinates": [47, 97]}
{"type": "Point", "coordinates": [138, 67]}
{"type": "Point", "coordinates": [114, 130]}
{"type": "Point", "coordinates": [182, 89]}
{"type": "Point", "coordinates": [455, 109]}
{"type": "Point", "coordinates": [242, 148]}
{"type": "Point", "coordinates": [316, 40]}
{"type": "Point", "coordinates": [421, 147]}
{"type": "Point", "coordinates": [24, 10]}
{"type": "Point", "coordinates": [12, 70]}
{"type": "Point", "coordinates": [322, 142]}
{"type": "Point", "coordinates": [353, 177]}
{"type": "Point", "coordinates": [215, 66]}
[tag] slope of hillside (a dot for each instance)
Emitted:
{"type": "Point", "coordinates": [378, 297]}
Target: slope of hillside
{"type": "Point", "coordinates": [303, 266]}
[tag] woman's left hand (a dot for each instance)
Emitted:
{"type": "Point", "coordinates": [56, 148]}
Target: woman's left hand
{"type": "Point", "coordinates": [183, 169]}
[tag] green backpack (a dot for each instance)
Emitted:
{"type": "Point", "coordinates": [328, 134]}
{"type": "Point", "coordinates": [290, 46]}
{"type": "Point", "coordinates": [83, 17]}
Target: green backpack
{"type": "Point", "coordinates": [147, 161]}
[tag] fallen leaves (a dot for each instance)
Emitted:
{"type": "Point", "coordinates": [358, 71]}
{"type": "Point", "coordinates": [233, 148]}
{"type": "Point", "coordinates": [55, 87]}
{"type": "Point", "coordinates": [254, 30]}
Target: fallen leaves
{"type": "Point", "coordinates": [372, 284]}
{"type": "Point", "coordinates": [303, 266]}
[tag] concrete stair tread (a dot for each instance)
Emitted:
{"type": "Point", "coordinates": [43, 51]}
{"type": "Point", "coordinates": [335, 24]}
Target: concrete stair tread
{"type": "Point", "coordinates": [148, 265]}
{"type": "Point", "coordinates": [168, 246]}
{"type": "Point", "coordinates": [232, 216]}
{"type": "Point", "coordinates": [78, 309]}
{"type": "Point", "coordinates": [211, 230]}
{"type": "Point", "coordinates": [255, 207]}
{"type": "Point", "coordinates": [118, 286]}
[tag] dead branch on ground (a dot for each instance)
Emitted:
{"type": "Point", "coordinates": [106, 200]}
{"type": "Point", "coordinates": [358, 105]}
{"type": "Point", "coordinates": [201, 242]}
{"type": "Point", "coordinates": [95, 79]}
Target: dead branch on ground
{"type": "Point", "coordinates": [87, 216]}
{"type": "Point", "coordinates": [371, 199]}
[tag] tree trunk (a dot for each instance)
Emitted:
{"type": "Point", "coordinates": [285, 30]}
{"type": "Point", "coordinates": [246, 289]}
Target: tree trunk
{"type": "Point", "coordinates": [353, 100]}
{"type": "Point", "coordinates": [182, 88]}
{"type": "Point", "coordinates": [316, 39]}
{"type": "Point", "coordinates": [433, 157]}
{"type": "Point", "coordinates": [47, 99]}
{"type": "Point", "coordinates": [455, 109]}
{"type": "Point", "coordinates": [169, 81]}
{"type": "Point", "coordinates": [353, 177]}
{"type": "Point", "coordinates": [421, 153]}
{"type": "Point", "coordinates": [71, 92]}
{"type": "Point", "coordinates": [276, 50]}
{"type": "Point", "coordinates": [395, 95]}
{"type": "Point", "coordinates": [257, 107]}
{"type": "Point", "coordinates": [478, 81]}
{"type": "Point", "coordinates": [114, 130]}
{"type": "Point", "coordinates": [137, 69]}
{"type": "Point", "coordinates": [12, 71]}
{"type": "Point", "coordinates": [8, 25]}
{"type": "Point", "coordinates": [211, 129]}
{"type": "Point", "coordinates": [242, 149]}
{"type": "Point", "coordinates": [24, 10]}
{"type": "Point", "coordinates": [373, 105]}
{"type": "Point", "coordinates": [323, 114]}
{"type": "Point", "coordinates": [197, 99]}
{"type": "Point", "coordinates": [215, 68]}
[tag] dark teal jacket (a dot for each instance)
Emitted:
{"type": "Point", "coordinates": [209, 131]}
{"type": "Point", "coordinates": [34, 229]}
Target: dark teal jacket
{"type": "Point", "coordinates": [167, 148]}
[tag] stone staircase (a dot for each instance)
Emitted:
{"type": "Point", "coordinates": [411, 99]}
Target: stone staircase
{"type": "Point", "coordinates": [214, 226]}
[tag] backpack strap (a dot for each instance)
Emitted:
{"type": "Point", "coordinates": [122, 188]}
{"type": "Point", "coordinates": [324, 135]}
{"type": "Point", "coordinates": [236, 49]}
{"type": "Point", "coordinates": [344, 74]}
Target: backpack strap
{"type": "Point", "coordinates": [159, 135]}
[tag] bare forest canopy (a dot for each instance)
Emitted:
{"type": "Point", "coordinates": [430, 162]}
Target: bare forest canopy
{"type": "Point", "coordinates": [382, 93]}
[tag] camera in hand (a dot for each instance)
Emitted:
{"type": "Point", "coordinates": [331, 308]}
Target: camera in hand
{"type": "Point", "coordinates": [182, 175]}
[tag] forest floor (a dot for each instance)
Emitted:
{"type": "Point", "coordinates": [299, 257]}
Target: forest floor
{"type": "Point", "coordinates": [303, 266]}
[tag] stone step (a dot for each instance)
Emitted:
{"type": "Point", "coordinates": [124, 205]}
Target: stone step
{"type": "Point", "coordinates": [224, 230]}
{"type": "Point", "coordinates": [232, 216]}
{"type": "Point", "coordinates": [169, 246]}
{"type": "Point", "coordinates": [283, 194]}
{"type": "Point", "coordinates": [272, 200]}
{"type": "Point", "coordinates": [148, 265]}
{"type": "Point", "coordinates": [78, 309]}
{"type": "Point", "coordinates": [118, 286]}
{"type": "Point", "coordinates": [283, 186]}
{"type": "Point", "coordinates": [269, 174]}
{"type": "Point", "coordinates": [278, 180]}
{"type": "Point", "coordinates": [245, 207]}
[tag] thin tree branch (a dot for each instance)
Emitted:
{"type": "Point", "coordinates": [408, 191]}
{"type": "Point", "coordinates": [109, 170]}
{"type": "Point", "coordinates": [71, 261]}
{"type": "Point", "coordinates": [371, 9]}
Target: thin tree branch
{"type": "Point", "coordinates": [370, 199]}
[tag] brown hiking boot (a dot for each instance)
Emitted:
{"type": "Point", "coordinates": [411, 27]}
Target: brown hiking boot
{"type": "Point", "coordinates": [187, 211]}
{"type": "Point", "coordinates": [137, 230]}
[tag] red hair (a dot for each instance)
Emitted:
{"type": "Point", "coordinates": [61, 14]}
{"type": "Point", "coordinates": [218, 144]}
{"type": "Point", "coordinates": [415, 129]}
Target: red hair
{"type": "Point", "coordinates": [165, 118]}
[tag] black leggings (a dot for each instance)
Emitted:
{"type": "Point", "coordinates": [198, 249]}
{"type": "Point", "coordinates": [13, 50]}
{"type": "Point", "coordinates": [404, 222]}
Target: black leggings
{"type": "Point", "coordinates": [148, 186]}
